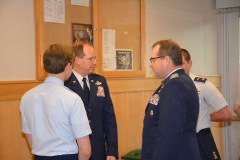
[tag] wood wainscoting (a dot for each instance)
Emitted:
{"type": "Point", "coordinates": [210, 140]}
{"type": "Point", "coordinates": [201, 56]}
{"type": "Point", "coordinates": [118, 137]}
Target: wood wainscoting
{"type": "Point", "coordinates": [130, 97]}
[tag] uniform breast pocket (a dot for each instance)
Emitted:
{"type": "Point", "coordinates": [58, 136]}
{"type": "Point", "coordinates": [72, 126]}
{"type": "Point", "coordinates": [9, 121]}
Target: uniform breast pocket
{"type": "Point", "coordinates": [99, 99]}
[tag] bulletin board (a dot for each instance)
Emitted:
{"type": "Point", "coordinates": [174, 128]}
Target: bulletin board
{"type": "Point", "coordinates": [123, 30]}
{"type": "Point", "coordinates": [62, 32]}
{"type": "Point", "coordinates": [122, 19]}
{"type": "Point", "coordinates": [50, 32]}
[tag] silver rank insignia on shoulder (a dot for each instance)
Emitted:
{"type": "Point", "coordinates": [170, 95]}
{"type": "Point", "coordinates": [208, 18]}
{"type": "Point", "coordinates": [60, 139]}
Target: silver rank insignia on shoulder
{"type": "Point", "coordinates": [200, 79]}
{"type": "Point", "coordinates": [175, 75]}
{"type": "Point", "coordinates": [151, 113]}
{"type": "Point", "coordinates": [98, 83]}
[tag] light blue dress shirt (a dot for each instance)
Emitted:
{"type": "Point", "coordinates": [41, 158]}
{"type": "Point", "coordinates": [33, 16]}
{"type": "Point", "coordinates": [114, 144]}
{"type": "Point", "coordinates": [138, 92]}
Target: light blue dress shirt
{"type": "Point", "coordinates": [55, 117]}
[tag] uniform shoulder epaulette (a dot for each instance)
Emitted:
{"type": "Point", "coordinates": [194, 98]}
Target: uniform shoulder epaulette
{"type": "Point", "coordinates": [96, 75]}
{"type": "Point", "coordinates": [200, 79]}
{"type": "Point", "coordinates": [175, 75]}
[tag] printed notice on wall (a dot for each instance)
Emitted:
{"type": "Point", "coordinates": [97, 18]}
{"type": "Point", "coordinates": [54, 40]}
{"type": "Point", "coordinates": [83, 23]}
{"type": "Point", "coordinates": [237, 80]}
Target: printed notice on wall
{"type": "Point", "coordinates": [80, 2]}
{"type": "Point", "coordinates": [108, 50]}
{"type": "Point", "coordinates": [54, 11]}
{"type": "Point", "coordinates": [124, 59]}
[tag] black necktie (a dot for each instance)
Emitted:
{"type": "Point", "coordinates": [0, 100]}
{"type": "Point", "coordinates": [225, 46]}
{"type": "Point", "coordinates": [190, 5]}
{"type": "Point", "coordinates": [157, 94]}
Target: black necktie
{"type": "Point", "coordinates": [85, 88]}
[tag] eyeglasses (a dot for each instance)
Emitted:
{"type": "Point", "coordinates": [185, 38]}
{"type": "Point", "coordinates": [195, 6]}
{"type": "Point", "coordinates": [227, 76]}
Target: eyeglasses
{"type": "Point", "coordinates": [152, 58]}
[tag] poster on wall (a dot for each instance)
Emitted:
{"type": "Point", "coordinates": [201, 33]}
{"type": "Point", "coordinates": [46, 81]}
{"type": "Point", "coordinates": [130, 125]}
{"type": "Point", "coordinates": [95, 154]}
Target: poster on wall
{"type": "Point", "coordinates": [82, 32]}
{"type": "Point", "coordinates": [124, 59]}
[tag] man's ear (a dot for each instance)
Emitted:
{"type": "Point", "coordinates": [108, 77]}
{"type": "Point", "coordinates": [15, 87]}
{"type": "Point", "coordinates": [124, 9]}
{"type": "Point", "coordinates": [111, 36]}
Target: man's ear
{"type": "Point", "coordinates": [67, 71]}
{"type": "Point", "coordinates": [167, 60]}
{"type": "Point", "coordinates": [76, 59]}
{"type": "Point", "coordinates": [190, 63]}
{"type": "Point", "coordinates": [68, 68]}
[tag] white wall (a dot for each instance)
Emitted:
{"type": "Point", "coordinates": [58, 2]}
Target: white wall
{"type": "Point", "coordinates": [17, 40]}
{"type": "Point", "coordinates": [191, 23]}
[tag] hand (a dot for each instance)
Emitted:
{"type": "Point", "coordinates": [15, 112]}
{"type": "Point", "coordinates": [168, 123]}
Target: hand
{"type": "Point", "coordinates": [111, 158]}
{"type": "Point", "coordinates": [236, 109]}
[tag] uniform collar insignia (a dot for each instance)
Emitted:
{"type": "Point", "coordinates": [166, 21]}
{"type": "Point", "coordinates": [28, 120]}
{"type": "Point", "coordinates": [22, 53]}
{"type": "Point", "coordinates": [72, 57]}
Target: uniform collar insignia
{"type": "Point", "coordinates": [92, 80]}
{"type": "Point", "coordinates": [98, 83]}
{"type": "Point", "coordinates": [175, 75]}
{"type": "Point", "coordinates": [74, 81]}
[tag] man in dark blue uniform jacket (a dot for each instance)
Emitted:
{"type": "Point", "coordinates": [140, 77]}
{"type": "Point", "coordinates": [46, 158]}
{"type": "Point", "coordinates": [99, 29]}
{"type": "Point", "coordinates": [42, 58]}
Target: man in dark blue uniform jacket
{"type": "Point", "coordinates": [98, 103]}
{"type": "Point", "coordinates": [169, 131]}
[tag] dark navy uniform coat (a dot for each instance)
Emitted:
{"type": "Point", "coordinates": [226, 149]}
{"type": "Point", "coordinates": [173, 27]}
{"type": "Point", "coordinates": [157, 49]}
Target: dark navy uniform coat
{"type": "Point", "coordinates": [169, 131]}
{"type": "Point", "coordinates": [101, 116]}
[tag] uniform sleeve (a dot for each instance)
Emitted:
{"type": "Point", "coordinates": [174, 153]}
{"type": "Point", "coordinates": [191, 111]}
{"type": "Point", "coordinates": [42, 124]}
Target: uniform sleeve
{"type": "Point", "coordinates": [79, 120]}
{"type": "Point", "coordinates": [213, 97]}
{"type": "Point", "coordinates": [109, 124]}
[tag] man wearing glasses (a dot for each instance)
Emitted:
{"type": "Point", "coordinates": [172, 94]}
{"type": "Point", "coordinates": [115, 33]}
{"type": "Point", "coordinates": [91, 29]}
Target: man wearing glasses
{"type": "Point", "coordinates": [93, 90]}
{"type": "Point", "coordinates": [169, 131]}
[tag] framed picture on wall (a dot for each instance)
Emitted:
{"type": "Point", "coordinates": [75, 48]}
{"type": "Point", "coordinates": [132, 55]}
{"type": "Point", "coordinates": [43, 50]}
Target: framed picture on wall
{"type": "Point", "coordinates": [82, 32]}
{"type": "Point", "coordinates": [124, 59]}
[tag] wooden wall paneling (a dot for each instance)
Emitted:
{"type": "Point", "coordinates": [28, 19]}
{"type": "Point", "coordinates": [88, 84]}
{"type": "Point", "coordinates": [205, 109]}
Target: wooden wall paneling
{"type": "Point", "coordinates": [135, 115]}
{"type": "Point", "coordinates": [137, 102]}
{"type": "Point", "coordinates": [132, 84]}
{"type": "Point", "coordinates": [13, 143]}
{"type": "Point", "coordinates": [120, 108]}
{"type": "Point", "coordinates": [15, 89]}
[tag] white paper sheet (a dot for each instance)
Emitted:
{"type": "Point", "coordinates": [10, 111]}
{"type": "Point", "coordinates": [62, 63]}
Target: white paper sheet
{"type": "Point", "coordinates": [108, 50]}
{"type": "Point", "coordinates": [80, 2]}
{"type": "Point", "coordinates": [54, 11]}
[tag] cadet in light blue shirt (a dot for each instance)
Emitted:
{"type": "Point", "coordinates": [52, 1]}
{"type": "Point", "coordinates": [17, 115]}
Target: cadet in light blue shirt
{"type": "Point", "coordinates": [53, 117]}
